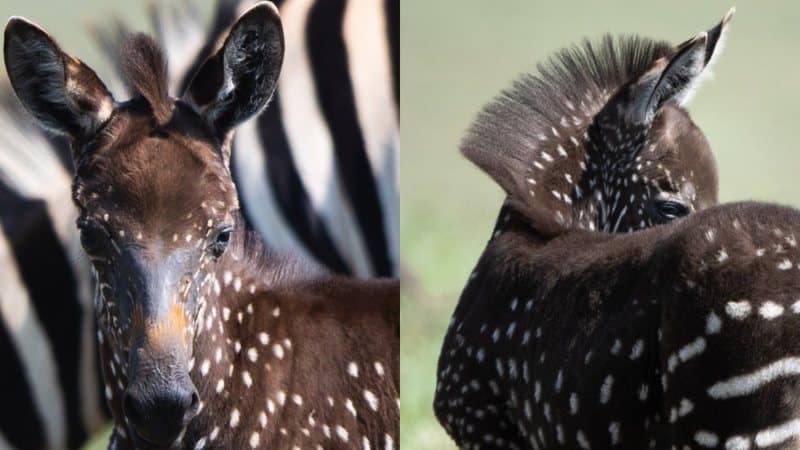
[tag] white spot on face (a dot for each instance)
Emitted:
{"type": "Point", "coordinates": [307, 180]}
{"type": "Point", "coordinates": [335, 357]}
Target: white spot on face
{"type": "Point", "coordinates": [204, 367]}
{"type": "Point", "coordinates": [281, 397]}
{"type": "Point", "coordinates": [352, 369]}
{"type": "Point", "coordinates": [252, 354]}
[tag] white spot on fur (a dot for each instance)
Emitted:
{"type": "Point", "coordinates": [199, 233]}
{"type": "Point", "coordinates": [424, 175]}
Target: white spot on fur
{"type": "Point", "coordinates": [770, 310]}
{"type": "Point", "coordinates": [738, 310]}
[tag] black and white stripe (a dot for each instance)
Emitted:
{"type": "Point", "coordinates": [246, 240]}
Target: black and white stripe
{"type": "Point", "coordinates": [321, 162]}
{"type": "Point", "coordinates": [317, 174]}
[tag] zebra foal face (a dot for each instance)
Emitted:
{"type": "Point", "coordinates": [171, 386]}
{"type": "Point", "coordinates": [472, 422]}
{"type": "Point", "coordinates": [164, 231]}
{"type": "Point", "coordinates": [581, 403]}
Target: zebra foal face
{"type": "Point", "coordinates": [157, 203]}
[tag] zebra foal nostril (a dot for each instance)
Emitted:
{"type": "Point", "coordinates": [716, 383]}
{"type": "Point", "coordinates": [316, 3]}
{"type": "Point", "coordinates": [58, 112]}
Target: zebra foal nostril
{"type": "Point", "coordinates": [159, 416]}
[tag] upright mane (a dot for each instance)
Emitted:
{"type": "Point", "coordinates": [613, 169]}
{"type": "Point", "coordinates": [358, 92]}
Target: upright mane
{"type": "Point", "coordinates": [145, 70]}
{"type": "Point", "coordinates": [529, 138]}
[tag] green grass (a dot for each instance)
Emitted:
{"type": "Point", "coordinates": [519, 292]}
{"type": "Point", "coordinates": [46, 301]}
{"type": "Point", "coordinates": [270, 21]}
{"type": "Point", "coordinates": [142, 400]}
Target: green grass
{"type": "Point", "coordinates": [456, 55]}
{"type": "Point", "coordinates": [99, 441]}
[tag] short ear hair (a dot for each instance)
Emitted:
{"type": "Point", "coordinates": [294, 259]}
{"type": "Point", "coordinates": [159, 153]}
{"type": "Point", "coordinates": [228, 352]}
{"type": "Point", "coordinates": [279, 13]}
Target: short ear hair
{"type": "Point", "coordinates": [676, 77]}
{"type": "Point", "coordinates": [64, 95]}
{"type": "Point", "coordinates": [239, 79]}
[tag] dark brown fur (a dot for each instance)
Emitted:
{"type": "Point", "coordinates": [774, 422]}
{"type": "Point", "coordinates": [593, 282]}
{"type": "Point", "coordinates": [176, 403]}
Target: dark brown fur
{"type": "Point", "coordinates": [682, 335]}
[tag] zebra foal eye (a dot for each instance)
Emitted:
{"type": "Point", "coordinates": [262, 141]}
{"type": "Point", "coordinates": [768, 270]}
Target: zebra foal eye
{"type": "Point", "coordinates": [92, 235]}
{"type": "Point", "coordinates": [670, 209]}
{"type": "Point", "coordinates": [220, 241]}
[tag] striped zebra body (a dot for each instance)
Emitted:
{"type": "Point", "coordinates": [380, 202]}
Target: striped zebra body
{"type": "Point", "coordinates": [316, 173]}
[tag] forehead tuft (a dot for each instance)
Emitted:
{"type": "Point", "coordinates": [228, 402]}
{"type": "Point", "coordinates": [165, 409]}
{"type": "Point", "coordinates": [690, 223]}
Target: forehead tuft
{"type": "Point", "coordinates": [145, 70]}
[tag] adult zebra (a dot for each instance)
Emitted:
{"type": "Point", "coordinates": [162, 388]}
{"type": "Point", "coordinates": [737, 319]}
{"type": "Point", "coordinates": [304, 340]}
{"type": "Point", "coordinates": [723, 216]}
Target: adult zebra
{"type": "Point", "coordinates": [316, 173]}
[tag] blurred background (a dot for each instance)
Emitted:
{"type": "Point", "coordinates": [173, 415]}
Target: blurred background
{"type": "Point", "coordinates": [69, 23]}
{"type": "Point", "coordinates": [456, 55]}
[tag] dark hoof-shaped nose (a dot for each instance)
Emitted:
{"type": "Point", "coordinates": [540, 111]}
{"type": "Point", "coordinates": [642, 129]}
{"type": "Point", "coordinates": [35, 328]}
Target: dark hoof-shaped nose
{"type": "Point", "coordinates": [159, 417]}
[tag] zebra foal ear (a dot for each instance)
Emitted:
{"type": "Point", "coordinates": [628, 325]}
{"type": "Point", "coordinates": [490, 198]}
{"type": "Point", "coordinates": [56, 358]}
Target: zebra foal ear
{"type": "Point", "coordinates": [677, 76]}
{"type": "Point", "coordinates": [239, 79]}
{"type": "Point", "coordinates": [64, 95]}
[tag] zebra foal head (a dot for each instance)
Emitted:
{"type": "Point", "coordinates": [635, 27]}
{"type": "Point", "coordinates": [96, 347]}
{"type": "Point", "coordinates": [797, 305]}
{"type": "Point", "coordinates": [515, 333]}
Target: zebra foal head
{"type": "Point", "coordinates": [157, 203]}
{"type": "Point", "coordinates": [599, 139]}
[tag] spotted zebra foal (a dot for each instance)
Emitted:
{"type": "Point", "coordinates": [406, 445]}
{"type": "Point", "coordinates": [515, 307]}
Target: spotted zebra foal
{"type": "Point", "coordinates": [207, 338]}
{"type": "Point", "coordinates": [680, 334]}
